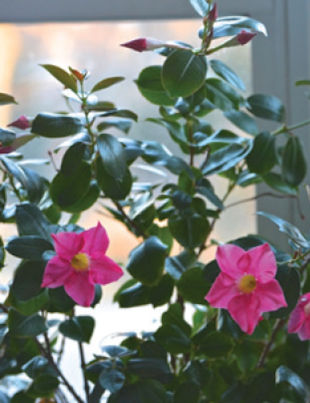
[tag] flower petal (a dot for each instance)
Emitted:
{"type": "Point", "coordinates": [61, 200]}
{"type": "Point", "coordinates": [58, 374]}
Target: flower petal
{"type": "Point", "coordinates": [270, 295]}
{"type": "Point", "coordinates": [56, 273]}
{"type": "Point", "coordinates": [227, 257]}
{"type": "Point", "coordinates": [96, 241]}
{"type": "Point", "coordinates": [244, 309]}
{"type": "Point", "coordinates": [222, 291]}
{"type": "Point", "coordinates": [80, 289]}
{"type": "Point", "coordinates": [104, 271]}
{"type": "Point", "coordinates": [304, 331]}
{"type": "Point", "coordinates": [296, 319]}
{"type": "Point", "coordinates": [263, 263]}
{"type": "Point", "coordinates": [67, 244]}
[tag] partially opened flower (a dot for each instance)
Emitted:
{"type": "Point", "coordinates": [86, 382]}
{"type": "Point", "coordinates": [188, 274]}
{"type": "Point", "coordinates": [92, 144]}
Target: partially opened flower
{"type": "Point", "coordinates": [80, 263]}
{"type": "Point", "coordinates": [246, 286]}
{"type": "Point", "coordinates": [245, 36]}
{"type": "Point", "coordinates": [299, 321]}
{"type": "Point", "coordinates": [144, 44]}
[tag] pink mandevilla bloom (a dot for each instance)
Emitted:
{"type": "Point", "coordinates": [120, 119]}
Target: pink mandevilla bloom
{"type": "Point", "coordinates": [143, 44]}
{"type": "Point", "coordinates": [245, 36]}
{"type": "Point", "coordinates": [80, 263]}
{"type": "Point", "coordinates": [246, 286]}
{"type": "Point", "coordinates": [299, 321]}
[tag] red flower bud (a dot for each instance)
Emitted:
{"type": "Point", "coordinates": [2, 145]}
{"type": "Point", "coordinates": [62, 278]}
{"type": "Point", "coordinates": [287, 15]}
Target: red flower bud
{"type": "Point", "coordinates": [6, 149]}
{"type": "Point", "coordinates": [77, 74]}
{"type": "Point", "coordinates": [213, 13]}
{"type": "Point", "coordinates": [21, 123]}
{"type": "Point", "coordinates": [245, 36]}
{"type": "Point", "coordinates": [143, 44]}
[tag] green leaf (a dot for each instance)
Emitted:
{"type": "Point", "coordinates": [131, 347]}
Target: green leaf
{"type": "Point", "coordinates": [122, 113]}
{"type": "Point", "coordinates": [231, 26]}
{"type": "Point", "coordinates": [151, 87]}
{"type": "Point", "coordinates": [201, 6]}
{"type": "Point", "coordinates": [73, 158]}
{"type": "Point", "coordinates": [112, 188]}
{"type": "Point", "coordinates": [187, 392]}
{"type": "Point", "coordinates": [222, 95]}
{"type": "Point", "coordinates": [123, 125]}
{"type": "Point", "coordinates": [6, 99]}
{"type": "Point", "coordinates": [67, 190]}
{"type": "Point", "coordinates": [263, 155]}
{"type": "Point", "coordinates": [79, 328]}
{"type": "Point", "coordinates": [216, 344]}
{"type": "Point", "coordinates": [112, 379]}
{"type": "Point", "coordinates": [225, 72]}
{"type": "Point", "coordinates": [105, 83]}
{"type": "Point", "coordinates": [173, 339]}
{"type": "Point", "coordinates": [6, 137]}
{"type": "Point", "coordinates": [294, 166]}
{"type": "Point", "coordinates": [289, 280]}
{"type": "Point", "coordinates": [38, 366]}
{"type": "Point", "coordinates": [266, 107]}
{"type": "Point", "coordinates": [149, 367]}
{"type": "Point", "coordinates": [43, 385]}
{"type": "Point", "coordinates": [4, 398]}
{"type": "Point", "coordinates": [146, 262]}
{"type": "Point", "coordinates": [276, 182]}
{"type": "Point", "coordinates": [144, 391]}
{"type": "Point", "coordinates": [112, 155]}
{"type": "Point", "coordinates": [87, 200]}
{"type": "Point", "coordinates": [28, 247]}
{"type": "Point", "coordinates": [25, 326]}
{"type": "Point", "coordinates": [31, 221]}
{"type": "Point", "coordinates": [59, 300]}
{"type": "Point", "coordinates": [190, 231]}
{"type": "Point", "coordinates": [302, 82]}
{"type": "Point", "coordinates": [205, 188]}
{"type": "Point", "coordinates": [193, 286]}
{"type": "Point", "coordinates": [284, 374]}
{"type": "Point", "coordinates": [243, 121]}
{"type": "Point", "coordinates": [183, 73]}
{"type": "Point", "coordinates": [115, 351]}
{"type": "Point", "coordinates": [176, 265]}
{"type": "Point", "coordinates": [62, 76]}
{"type": "Point", "coordinates": [52, 125]}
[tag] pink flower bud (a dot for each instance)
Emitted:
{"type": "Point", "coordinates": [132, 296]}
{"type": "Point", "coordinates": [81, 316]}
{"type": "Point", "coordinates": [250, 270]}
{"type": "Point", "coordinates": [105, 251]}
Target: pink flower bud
{"type": "Point", "coordinates": [213, 13]}
{"type": "Point", "coordinates": [21, 123]}
{"type": "Point", "coordinates": [6, 149]}
{"type": "Point", "coordinates": [143, 44]}
{"type": "Point", "coordinates": [245, 36]}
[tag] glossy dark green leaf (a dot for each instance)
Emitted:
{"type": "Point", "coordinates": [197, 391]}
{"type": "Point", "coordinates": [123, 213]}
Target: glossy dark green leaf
{"type": "Point", "coordinates": [53, 125]}
{"type": "Point", "coordinates": [62, 76]}
{"type": "Point", "coordinates": [284, 374]}
{"type": "Point", "coordinates": [59, 300]}
{"type": "Point", "coordinates": [263, 154]}
{"type": "Point", "coordinates": [190, 230]}
{"type": "Point", "coordinates": [266, 107]}
{"type": "Point", "coordinates": [79, 328]}
{"type": "Point", "coordinates": [87, 200]}
{"type": "Point", "coordinates": [111, 187]}
{"type": "Point", "coordinates": [187, 392]}
{"type": "Point", "coordinates": [173, 339]}
{"type": "Point", "coordinates": [222, 95]}
{"type": "Point", "coordinates": [43, 385]}
{"type": "Point", "coordinates": [112, 380]}
{"type": "Point", "coordinates": [201, 6]}
{"type": "Point", "coordinates": [193, 286]}
{"type": "Point", "coordinates": [276, 182]}
{"type": "Point", "coordinates": [112, 155]}
{"type": "Point", "coordinates": [151, 87]}
{"type": "Point", "coordinates": [123, 125]}
{"type": "Point", "coordinates": [174, 316]}
{"type": "Point", "coordinates": [6, 99]}
{"type": "Point", "coordinates": [28, 247]}
{"type": "Point", "coordinates": [183, 73]}
{"type": "Point", "coordinates": [115, 351]}
{"type": "Point", "coordinates": [105, 83]}
{"type": "Point", "coordinates": [122, 113]}
{"type": "Point", "coordinates": [243, 121]}
{"type": "Point", "coordinates": [38, 366]}
{"type": "Point", "coordinates": [161, 293]}
{"type": "Point", "coordinates": [231, 26]}
{"type": "Point", "coordinates": [148, 367]}
{"type": "Point", "coordinates": [216, 344]}
{"type": "Point", "coordinates": [133, 295]}
{"type": "Point", "coordinates": [144, 391]}
{"type": "Point", "coordinates": [25, 326]}
{"type": "Point", "coordinates": [294, 166]}
{"type": "Point", "coordinates": [225, 72]}
{"type": "Point", "coordinates": [2, 254]}
{"type": "Point", "coordinates": [146, 262]}
{"type": "Point", "coordinates": [176, 265]}
{"type": "Point", "coordinates": [31, 221]}
{"type": "Point", "coordinates": [73, 158]}
{"type": "Point", "coordinates": [22, 397]}
{"type": "Point", "coordinates": [66, 190]}
{"type": "Point", "coordinates": [205, 188]}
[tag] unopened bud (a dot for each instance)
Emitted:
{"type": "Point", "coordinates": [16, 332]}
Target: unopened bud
{"type": "Point", "coordinates": [21, 123]}
{"type": "Point", "coordinates": [213, 13]}
{"type": "Point", "coordinates": [245, 36]}
{"type": "Point", "coordinates": [143, 44]}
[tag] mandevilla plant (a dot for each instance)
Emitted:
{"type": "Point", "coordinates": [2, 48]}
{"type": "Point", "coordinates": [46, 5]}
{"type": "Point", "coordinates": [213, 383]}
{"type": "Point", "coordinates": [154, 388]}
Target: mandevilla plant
{"type": "Point", "coordinates": [248, 340]}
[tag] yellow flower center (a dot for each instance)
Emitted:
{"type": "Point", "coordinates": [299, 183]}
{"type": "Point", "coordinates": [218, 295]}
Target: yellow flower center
{"type": "Point", "coordinates": [80, 262]}
{"type": "Point", "coordinates": [307, 309]}
{"type": "Point", "coordinates": [247, 284]}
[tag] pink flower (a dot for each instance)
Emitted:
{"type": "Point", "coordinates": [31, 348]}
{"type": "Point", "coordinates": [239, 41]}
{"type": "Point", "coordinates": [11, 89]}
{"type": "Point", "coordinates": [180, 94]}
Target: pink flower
{"type": "Point", "coordinates": [142, 44]}
{"type": "Point", "coordinates": [299, 321]}
{"type": "Point", "coordinates": [6, 149]}
{"type": "Point", "coordinates": [245, 36]}
{"type": "Point", "coordinates": [80, 263]}
{"type": "Point", "coordinates": [21, 123]}
{"type": "Point", "coordinates": [246, 286]}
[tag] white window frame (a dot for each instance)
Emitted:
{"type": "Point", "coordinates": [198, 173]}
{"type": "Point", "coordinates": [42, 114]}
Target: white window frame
{"type": "Point", "coordinates": [278, 61]}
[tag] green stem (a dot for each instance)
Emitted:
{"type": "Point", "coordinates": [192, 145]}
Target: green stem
{"type": "Point", "coordinates": [83, 366]}
{"type": "Point", "coordinates": [129, 221]}
{"type": "Point", "coordinates": [278, 325]}
{"type": "Point", "coordinates": [285, 129]}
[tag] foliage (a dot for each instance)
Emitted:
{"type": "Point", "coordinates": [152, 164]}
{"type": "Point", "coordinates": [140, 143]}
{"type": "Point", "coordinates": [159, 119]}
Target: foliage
{"type": "Point", "coordinates": [208, 359]}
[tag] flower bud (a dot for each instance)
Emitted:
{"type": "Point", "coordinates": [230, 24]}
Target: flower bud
{"type": "Point", "coordinates": [143, 44]}
{"type": "Point", "coordinates": [213, 13]}
{"type": "Point", "coordinates": [245, 36]}
{"type": "Point", "coordinates": [21, 123]}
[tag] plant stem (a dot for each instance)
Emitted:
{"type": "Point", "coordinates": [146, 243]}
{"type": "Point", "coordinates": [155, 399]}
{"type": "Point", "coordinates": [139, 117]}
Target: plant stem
{"type": "Point", "coordinates": [278, 325]}
{"type": "Point", "coordinates": [129, 220]}
{"type": "Point", "coordinates": [285, 129]}
{"type": "Point", "coordinates": [249, 199]}
{"type": "Point", "coordinates": [83, 366]}
{"type": "Point", "coordinates": [47, 354]}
